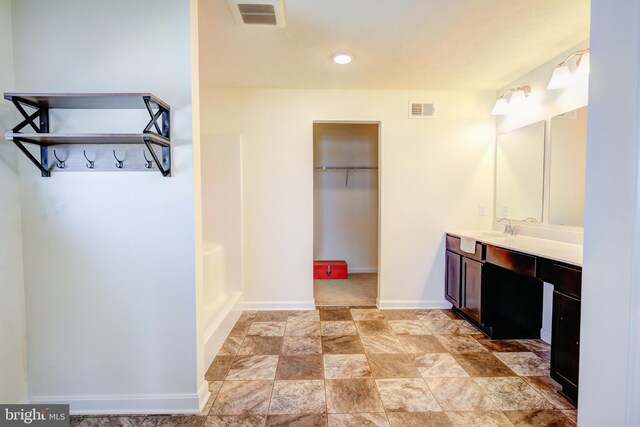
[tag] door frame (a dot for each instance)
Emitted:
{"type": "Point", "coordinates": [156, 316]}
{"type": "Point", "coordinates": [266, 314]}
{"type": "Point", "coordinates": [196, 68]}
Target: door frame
{"type": "Point", "coordinates": [359, 122]}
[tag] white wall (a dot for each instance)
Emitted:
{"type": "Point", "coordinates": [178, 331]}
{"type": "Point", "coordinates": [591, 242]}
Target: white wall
{"type": "Point", "coordinates": [13, 351]}
{"type": "Point", "coordinates": [109, 257]}
{"type": "Point", "coordinates": [345, 214]}
{"type": "Point", "coordinates": [543, 104]}
{"type": "Point", "coordinates": [610, 337]}
{"type": "Point", "coordinates": [222, 208]}
{"type": "Point", "coordinates": [434, 175]}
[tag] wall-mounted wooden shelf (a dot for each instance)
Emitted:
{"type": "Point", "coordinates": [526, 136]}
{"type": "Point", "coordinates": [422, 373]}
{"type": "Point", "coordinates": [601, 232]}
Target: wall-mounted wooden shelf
{"type": "Point", "coordinates": [72, 144]}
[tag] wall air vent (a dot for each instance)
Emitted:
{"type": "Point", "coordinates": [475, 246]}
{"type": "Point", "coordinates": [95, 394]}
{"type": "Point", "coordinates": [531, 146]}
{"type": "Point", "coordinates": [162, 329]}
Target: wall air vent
{"type": "Point", "coordinates": [422, 110]}
{"type": "Point", "coordinates": [258, 12]}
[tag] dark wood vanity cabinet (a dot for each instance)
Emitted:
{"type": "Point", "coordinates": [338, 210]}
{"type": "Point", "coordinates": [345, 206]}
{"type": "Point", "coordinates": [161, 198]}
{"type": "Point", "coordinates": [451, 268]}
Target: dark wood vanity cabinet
{"type": "Point", "coordinates": [472, 286]}
{"type": "Point", "coordinates": [500, 291]}
{"type": "Point", "coordinates": [452, 278]}
{"type": "Point", "coordinates": [464, 278]}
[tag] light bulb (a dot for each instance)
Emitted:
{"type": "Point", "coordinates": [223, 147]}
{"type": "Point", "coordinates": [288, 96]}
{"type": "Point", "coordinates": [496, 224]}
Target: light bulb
{"type": "Point", "coordinates": [500, 108]}
{"type": "Point", "coordinates": [583, 64]}
{"type": "Point", "coordinates": [517, 98]}
{"type": "Point", "coordinates": [342, 58]}
{"type": "Point", "coordinates": [560, 78]}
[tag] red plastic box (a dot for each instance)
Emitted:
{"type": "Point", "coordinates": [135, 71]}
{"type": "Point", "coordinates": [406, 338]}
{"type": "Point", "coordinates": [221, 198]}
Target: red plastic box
{"type": "Point", "coordinates": [324, 270]}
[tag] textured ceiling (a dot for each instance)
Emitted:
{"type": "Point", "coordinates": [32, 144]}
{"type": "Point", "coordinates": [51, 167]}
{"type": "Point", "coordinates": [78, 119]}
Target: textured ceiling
{"type": "Point", "coordinates": [397, 44]}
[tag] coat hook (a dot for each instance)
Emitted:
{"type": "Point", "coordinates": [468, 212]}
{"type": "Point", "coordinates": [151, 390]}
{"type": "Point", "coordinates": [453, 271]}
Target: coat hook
{"type": "Point", "coordinates": [92, 163]}
{"type": "Point", "coordinates": [61, 163]}
{"type": "Point", "coordinates": [120, 163]}
{"type": "Point", "coordinates": [149, 164]}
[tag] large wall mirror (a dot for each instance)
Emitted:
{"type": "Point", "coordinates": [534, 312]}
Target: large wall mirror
{"type": "Point", "coordinates": [567, 175]}
{"type": "Point", "coordinates": [519, 173]}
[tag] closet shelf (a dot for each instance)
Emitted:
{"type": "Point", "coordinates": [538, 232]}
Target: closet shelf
{"type": "Point", "coordinates": [344, 168]}
{"type": "Point", "coordinates": [74, 146]}
{"type": "Point", "coordinates": [46, 139]}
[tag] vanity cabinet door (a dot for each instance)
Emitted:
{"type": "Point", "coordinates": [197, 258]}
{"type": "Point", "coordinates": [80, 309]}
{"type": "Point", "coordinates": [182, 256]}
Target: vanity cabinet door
{"type": "Point", "coordinates": [472, 288]}
{"type": "Point", "coordinates": [565, 343]}
{"type": "Point", "coordinates": [452, 278]}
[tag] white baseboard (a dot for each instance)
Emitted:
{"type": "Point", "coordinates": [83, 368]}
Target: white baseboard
{"type": "Point", "coordinates": [279, 305]}
{"type": "Point", "coordinates": [545, 335]}
{"type": "Point", "coordinates": [220, 324]}
{"type": "Point", "coordinates": [424, 304]}
{"type": "Point", "coordinates": [363, 270]}
{"type": "Point", "coordinates": [187, 403]}
{"type": "Point", "coordinates": [204, 394]}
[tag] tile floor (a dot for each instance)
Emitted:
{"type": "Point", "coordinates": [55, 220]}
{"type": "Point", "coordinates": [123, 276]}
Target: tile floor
{"type": "Point", "coordinates": [370, 367]}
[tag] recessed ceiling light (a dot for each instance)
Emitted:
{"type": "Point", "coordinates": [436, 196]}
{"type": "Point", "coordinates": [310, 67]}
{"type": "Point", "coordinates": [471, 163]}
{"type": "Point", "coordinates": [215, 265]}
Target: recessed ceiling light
{"type": "Point", "coordinates": [342, 58]}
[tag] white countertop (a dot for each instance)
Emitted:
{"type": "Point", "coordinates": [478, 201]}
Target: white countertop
{"type": "Point", "coordinates": [551, 249]}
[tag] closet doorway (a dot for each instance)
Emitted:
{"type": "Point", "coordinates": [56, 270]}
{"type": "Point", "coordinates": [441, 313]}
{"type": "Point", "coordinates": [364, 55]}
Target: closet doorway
{"type": "Point", "coordinates": [346, 213]}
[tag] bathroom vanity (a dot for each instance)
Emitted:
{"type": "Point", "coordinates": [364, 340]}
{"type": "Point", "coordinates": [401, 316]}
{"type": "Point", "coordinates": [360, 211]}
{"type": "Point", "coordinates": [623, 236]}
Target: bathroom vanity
{"type": "Point", "coordinates": [499, 288]}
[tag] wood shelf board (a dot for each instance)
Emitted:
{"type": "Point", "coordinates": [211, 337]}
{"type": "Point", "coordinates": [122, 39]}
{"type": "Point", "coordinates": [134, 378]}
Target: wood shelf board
{"type": "Point", "coordinates": [79, 138]}
{"type": "Point", "coordinates": [89, 101]}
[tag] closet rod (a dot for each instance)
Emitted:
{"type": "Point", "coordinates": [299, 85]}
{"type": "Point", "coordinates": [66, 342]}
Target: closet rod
{"type": "Point", "coordinates": [335, 168]}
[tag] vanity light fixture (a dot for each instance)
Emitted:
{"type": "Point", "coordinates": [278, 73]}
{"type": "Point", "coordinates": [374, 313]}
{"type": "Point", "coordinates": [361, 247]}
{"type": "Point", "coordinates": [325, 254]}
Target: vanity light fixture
{"type": "Point", "coordinates": [562, 73]}
{"type": "Point", "coordinates": [518, 95]}
{"type": "Point", "coordinates": [342, 58]}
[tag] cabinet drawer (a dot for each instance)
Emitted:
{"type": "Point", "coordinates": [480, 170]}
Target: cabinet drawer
{"type": "Point", "coordinates": [453, 244]}
{"type": "Point", "coordinates": [567, 280]}
{"type": "Point", "coordinates": [510, 260]}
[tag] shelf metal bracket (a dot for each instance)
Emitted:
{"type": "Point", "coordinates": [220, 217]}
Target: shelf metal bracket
{"type": "Point", "coordinates": [44, 155]}
{"type": "Point", "coordinates": [166, 157]}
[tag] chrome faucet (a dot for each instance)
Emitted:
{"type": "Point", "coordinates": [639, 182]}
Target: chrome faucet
{"type": "Point", "coordinates": [509, 228]}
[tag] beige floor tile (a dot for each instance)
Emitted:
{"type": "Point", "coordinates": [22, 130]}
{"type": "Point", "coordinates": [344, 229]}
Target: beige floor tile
{"type": "Point", "coordinates": [392, 366]}
{"type": "Point", "coordinates": [253, 368]}
{"type": "Point", "coordinates": [352, 396]}
{"type": "Point", "coordinates": [243, 398]}
{"type": "Point", "coordinates": [376, 344]}
{"type": "Point", "coordinates": [373, 327]}
{"type": "Point", "coordinates": [572, 414]}
{"type": "Point", "coordinates": [465, 327]}
{"type": "Point", "coordinates": [548, 388]}
{"type": "Point", "coordinates": [441, 326]}
{"type": "Point", "coordinates": [267, 329]}
{"type": "Point", "coordinates": [421, 344]}
{"type": "Point", "coordinates": [409, 327]}
{"type": "Point", "coordinates": [460, 343]}
{"type": "Point", "coordinates": [121, 421]}
{"type": "Point", "coordinates": [525, 364]}
{"type": "Point", "coordinates": [438, 365]}
{"type": "Point", "coordinates": [502, 346]}
{"type": "Point", "coordinates": [235, 421]}
{"type": "Point", "coordinates": [483, 364]}
{"type": "Point", "coordinates": [535, 345]}
{"type": "Point", "coordinates": [231, 345]}
{"type": "Point", "coordinates": [459, 394]}
{"type": "Point", "coordinates": [304, 315]}
{"type": "Point", "coordinates": [418, 419]}
{"type": "Point", "coordinates": [240, 328]}
{"type": "Point", "coordinates": [367, 314]}
{"type": "Point", "coordinates": [344, 366]}
{"type": "Point", "coordinates": [431, 315]}
{"type": "Point", "coordinates": [247, 316]}
{"type": "Point", "coordinates": [358, 420]}
{"type": "Point", "coordinates": [406, 395]}
{"type": "Point", "coordinates": [400, 314]}
{"type": "Point", "coordinates": [271, 316]}
{"type": "Point", "coordinates": [538, 418]}
{"type": "Point", "coordinates": [298, 397]}
{"type": "Point", "coordinates": [333, 328]}
{"type": "Point", "coordinates": [214, 387]}
{"type": "Point", "coordinates": [479, 419]}
{"type": "Point", "coordinates": [335, 315]}
{"type": "Point", "coordinates": [219, 368]}
{"type": "Point", "coordinates": [300, 367]}
{"type": "Point", "coordinates": [342, 344]}
{"type": "Point", "coordinates": [301, 345]}
{"type": "Point", "coordinates": [301, 328]}
{"type": "Point", "coordinates": [163, 421]}
{"type": "Point", "coordinates": [253, 345]}
{"type": "Point", "coordinates": [512, 393]}
{"type": "Point", "coordinates": [294, 420]}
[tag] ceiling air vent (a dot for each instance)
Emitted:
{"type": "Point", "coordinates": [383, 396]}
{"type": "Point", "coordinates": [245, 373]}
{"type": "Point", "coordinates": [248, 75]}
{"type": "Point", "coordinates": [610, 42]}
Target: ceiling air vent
{"type": "Point", "coordinates": [422, 110]}
{"type": "Point", "coordinates": [258, 12]}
